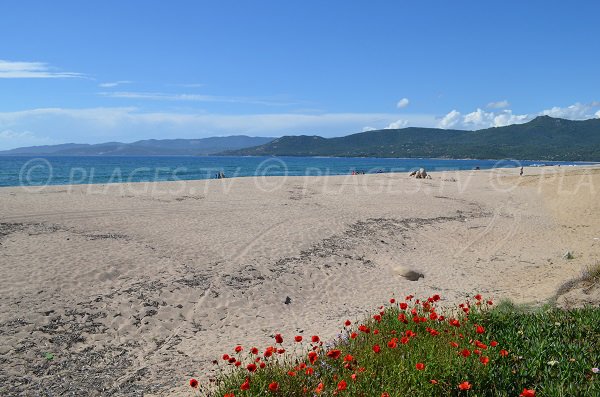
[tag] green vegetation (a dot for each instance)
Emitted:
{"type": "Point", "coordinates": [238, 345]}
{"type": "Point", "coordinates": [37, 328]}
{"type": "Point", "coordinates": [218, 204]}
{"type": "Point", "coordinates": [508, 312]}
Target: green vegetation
{"type": "Point", "coordinates": [544, 138]}
{"type": "Point", "coordinates": [410, 349]}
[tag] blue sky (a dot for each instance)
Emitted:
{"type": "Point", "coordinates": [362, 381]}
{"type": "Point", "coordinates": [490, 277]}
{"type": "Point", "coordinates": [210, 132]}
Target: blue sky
{"type": "Point", "coordinates": [96, 71]}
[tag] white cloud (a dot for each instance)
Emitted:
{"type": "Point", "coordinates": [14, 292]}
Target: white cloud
{"type": "Point", "coordinates": [402, 103]}
{"type": "Point", "coordinates": [114, 83]}
{"type": "Point", "coordinates": [27, 70]}
{"type": "Point", "coordinates": [577, 111]}
{"type": "Point", "coordinates": [481, 119]}
{"type": "Point", "coordinates": [507, 117]}
{"type": "Point", "coordinates": [160, 96]}
{"type": "Point", "coordinates": [365, 129]}
{"type": "Point", "coordinates": [397, 125]}
{"type": "Point", "coordinates": [478, 119]}
{"type": "Point", "coordinates": [450, 120]}
{"type": "Point", "coordinates": [11, 139]}
{"type": "Point", "coordinates": [498, 105]}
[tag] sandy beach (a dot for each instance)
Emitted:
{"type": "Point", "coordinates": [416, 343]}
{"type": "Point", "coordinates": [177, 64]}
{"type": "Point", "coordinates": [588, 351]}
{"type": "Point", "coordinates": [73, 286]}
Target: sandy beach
{"type": "Point", "coordinates": [131, 289]}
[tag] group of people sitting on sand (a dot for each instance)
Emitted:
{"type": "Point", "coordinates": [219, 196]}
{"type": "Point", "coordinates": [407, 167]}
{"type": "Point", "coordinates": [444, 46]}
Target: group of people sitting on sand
{"type": "Point", "coordinates": [420, 174]}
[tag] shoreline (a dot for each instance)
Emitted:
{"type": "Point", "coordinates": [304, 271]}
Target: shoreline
{"type": "Point", "coordinates": [531, 166]}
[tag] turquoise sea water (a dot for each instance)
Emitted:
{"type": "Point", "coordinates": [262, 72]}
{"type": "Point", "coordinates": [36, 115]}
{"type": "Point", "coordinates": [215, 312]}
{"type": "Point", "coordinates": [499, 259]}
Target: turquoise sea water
{"type": "Point", "coordinates": [36, 171]}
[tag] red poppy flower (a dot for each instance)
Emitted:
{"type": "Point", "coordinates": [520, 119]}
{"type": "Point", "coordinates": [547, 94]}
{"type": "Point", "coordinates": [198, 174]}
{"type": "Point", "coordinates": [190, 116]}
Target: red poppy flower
{"type": "Point", "coordinates": [278, 338]}
{"type": "Point", "coordinates": [319, 388]}
{"type": "Point", "coordinates": [348, 358]}
{"type": "Point", "coordinates": [484, 360]}
{"type": "Point", "coordinates": [454, 344]}
{"type": "Point", "coordinates": [225, 357]}
{"type": "Point", "coordinates": [433, 382]}
{"type": "Point", "coordinates": [392, 344]}
{"type": "Point", "coordinates": [238, 363]}
{"type": "Point", "coordinates": [433, 332]}
{"type": "Point", "coordinates": [291, 373]}
{"type": "Point", "coordinates": [465, 353]}
{"type": "Point", "coordinates": [274, 386]}
{"type": "Point", "coordinates": [493, 343]}
{"type": "Point", "coordinates": [384, 394]}
{"type": "Point", "coordinates": [503, 353]}
{"type": "Point", "coordinates": [245, 385]}
{"type": "Point", "coordinates": [392, 301]}
{"type": "Point", "coordinates": [376, 348]}
{"type": "Point", "coordinates": [238, 348]}
{"type": "Point", "coordinates": [309, 371]}
{"type": "Point", "coordinates": [465, 386]}
{"type": "Point", "coordinates": [479, 329]}
{"type": "Point", "coordinates": [377, 318]}
{"type": "Point", "coordinates": [315, 339]}
{"type": "Point", "coordinates": [403, 306]}
{"type": "Point", "coordinates": [420, 366]}
{"type": "Point", "coordinates": [404, 340]}
{"type": "Point", "coordinates": [280, 351]}
{"type": "Point", "coordinates": [342, 385]}
{"type": "Point", "coordinates": [251, 367]}
{"type": "Point", "coordinates": [478, 297]}
{"type": "Point", "coordinates": [312, 357]}
{"type": "Point", "coordinates": [298, 338]}
{"type": "Point", "coordinates": [527, 393]}
{"type": "Point", "coordinates": [194, 383]}
{"type": "Point", "coordinates": [353, 335]}
{"type": "Point", "coordinates": [335, 354]}
{"type": "Point", "coordinates": [490, 302]}
{"type": "Point", "coordinates": [347, 323]}
{"type": "Point", "coordinates": [254, 350]}
{"type": "Point", "coordinates": [262, 364]}
{"type": "Point", "coordinates": [436, 297]}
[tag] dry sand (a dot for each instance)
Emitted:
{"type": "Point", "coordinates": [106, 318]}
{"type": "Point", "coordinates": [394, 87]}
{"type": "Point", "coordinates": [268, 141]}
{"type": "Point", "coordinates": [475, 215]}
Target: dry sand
{"type": "Point", "coordinates": [134, 288]}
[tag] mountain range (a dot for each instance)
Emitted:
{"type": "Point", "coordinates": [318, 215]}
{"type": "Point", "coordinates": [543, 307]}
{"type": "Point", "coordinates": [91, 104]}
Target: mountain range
{"type": "Point", "coordinates": [149, 147]}
{"type": "Point", "coordinates": [543, 138]}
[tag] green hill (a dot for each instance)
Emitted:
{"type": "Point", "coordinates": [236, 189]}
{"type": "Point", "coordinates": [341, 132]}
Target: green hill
{"type": "Point", "coordinates": [544, 138]}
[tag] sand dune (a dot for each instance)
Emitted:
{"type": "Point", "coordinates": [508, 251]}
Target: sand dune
{"type": "Point", "coordinates": [133, 288]}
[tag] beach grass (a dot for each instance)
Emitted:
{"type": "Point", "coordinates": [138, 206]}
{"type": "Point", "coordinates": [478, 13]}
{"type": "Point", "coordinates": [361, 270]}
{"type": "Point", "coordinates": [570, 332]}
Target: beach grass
{"type": "Point", "coordinates": [409, 348]}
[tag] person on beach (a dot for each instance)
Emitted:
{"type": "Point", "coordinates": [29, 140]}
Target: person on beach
{"type": "Point", "coordinates": [521, 173]}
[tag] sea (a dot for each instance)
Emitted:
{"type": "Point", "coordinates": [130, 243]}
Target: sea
{"type": "Point", "coordinates": [65, 170]}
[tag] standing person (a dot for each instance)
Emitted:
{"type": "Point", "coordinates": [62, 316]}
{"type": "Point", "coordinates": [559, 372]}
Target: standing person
{"type": "Point", "coordinates": [521, 173]}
